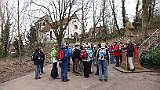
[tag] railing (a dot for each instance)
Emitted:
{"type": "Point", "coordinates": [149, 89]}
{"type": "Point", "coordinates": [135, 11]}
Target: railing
{"type": "Point", "coordinates": [150, 42]}
{"type": "Point", "coordinates": [149, 37]}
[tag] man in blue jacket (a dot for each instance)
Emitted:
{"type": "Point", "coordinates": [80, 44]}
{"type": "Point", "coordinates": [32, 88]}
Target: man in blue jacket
{"type": "Point", "coordinates": [65, 61]}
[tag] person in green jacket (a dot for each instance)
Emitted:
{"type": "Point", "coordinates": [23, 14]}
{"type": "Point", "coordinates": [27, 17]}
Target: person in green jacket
{"type": "Point", "coordinates": [54, 72]}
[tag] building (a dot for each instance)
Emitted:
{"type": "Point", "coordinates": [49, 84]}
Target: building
{"type": "Point", "coordinates": [45, 31]}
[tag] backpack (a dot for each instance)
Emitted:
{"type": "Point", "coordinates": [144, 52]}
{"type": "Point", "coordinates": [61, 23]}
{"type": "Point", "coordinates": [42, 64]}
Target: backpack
{"type": "Point", "coordinates": [84, 55]}
{"type": "Point", "coordinates": [60, 55]}
{"type": "Point", "coordinates": [102, 53]}
{"type": "Point", "coordinates": [91, 54]}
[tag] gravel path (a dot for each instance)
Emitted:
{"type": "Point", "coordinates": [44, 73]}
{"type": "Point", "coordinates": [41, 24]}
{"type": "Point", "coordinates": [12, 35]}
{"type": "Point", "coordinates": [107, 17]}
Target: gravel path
{"type": "Point", "coordinates": [117, 81]}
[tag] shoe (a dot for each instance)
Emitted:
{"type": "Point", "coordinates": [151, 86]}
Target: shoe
{"type": "Point", "coordinates": [66, 80]}
{"type": "Point", "coordinates": [105, 80]}
{"type": "Point", "coordinates": [100, 79]}
{"type": "Point", "coordinates": [62, 80]}
{"type": "Point", "coordinates": [38, 78]}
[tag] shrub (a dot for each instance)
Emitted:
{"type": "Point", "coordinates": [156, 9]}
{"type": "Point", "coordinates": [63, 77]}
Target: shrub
{"type": "Point", "coordinates": [151, 58]}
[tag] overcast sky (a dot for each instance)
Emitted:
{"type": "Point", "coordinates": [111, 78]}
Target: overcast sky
{"type": "Point", "coordinates": [130, 6]}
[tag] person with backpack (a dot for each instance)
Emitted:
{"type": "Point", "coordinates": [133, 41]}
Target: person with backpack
{"type": "Point", "coordinates": [97, 56]}
{"type": "Point", "coordinates": [90, 57]}
{"type": "Point", "coordinates": [63, 55]}
{"type": "Point", "coordinates": [54, 71]}
{"type": "Point", "coordinates": [103, 61]}
{"type": "Point", "coordinates": [37, 62]}
{"type": "Point", "coordinates": [86, 62]}
{"type": "Point", "coordinates": [130, 54]}
{"type": "Point", "coordinates": [76, 65]}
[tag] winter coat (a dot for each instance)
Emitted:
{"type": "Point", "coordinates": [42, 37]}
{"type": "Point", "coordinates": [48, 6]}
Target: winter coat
{"type": "Point", "coordinates": [53, 55]}
{"type": "Point", "coordinates": [76, 53]}
{"type": "Point", "coordinates": [116, 51]}
{"type": "Point", "coordinates": [37, 58]}
{"type": "Point", "coordinates": [130, 50]}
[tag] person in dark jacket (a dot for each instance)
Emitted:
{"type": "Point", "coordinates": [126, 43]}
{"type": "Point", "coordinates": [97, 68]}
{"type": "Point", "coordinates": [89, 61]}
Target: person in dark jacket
{"type": "Point", "coordinates": [76, 63]}
{"type": "Point", "coordinates": [42, 60]}
{"type": "Point", "coordinates": [130, 54]}
{"type": "Point", "coordinates": [37, 63]}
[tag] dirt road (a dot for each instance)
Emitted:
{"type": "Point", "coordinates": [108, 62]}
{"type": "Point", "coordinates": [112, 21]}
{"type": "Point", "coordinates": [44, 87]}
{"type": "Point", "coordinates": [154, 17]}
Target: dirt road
{"type": "Point", "coordinates": [117, 81]}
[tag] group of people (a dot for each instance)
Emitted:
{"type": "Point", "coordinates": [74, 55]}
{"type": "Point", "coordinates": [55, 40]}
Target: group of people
{"type": "Point", "coordinates": [83, 58]}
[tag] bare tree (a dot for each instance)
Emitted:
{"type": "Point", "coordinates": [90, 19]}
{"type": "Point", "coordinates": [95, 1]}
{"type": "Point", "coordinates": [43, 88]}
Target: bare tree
{"type": "Point", "coordinates": [112, 4]}
{"type": "Point", "coordinates": [96, 19]}
{"type": "Point", "coordinates": [85, 8]}
{"type": "Point", "coordinates": [123, 12]}
{"type": "Point", "coordinates": [60, 13]}
{"type": "Point", "coordinates": [136, 20]}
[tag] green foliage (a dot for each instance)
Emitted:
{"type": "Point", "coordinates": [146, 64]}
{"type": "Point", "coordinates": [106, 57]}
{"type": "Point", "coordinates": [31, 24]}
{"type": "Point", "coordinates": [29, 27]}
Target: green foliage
{"type": "Point", "coordinates": [32, 36]}
{"type": "Point", "coordinates": [151, 58]}
{"type": "Point", "coordinates": [15, 44]}
{"type": "Point", "coordinates": [5, 39]}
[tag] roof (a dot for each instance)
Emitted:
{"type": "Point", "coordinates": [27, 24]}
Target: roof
{"type": "Point", "coordinates": [60, 22]}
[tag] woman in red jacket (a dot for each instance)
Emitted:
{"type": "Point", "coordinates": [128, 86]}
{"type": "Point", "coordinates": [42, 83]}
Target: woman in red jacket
{"type": "Point", "coordinates": [116, 53]}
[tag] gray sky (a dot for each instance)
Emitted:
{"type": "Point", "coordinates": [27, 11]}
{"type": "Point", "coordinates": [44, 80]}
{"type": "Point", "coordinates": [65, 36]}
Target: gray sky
{"type": "Point", "coordinates": [130, 6]}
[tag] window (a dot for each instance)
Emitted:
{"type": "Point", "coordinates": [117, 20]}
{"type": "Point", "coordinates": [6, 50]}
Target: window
{"type": "Point", "coordinates": [75, 27]}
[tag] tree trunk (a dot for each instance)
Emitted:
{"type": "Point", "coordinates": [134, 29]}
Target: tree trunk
{"type": "Point", "coordinates": [19, 41]}
{"type": "Point", "coordinates": [145, 16]}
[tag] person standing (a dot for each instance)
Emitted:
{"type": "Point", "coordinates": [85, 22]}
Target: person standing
{"type": "Point", "coordinates": [130, 54]}
{"type": "Point", "coordinates": [64, 64]}
{"type": "Point", "coordinates": [116, 53]}
{"type": "Point", "coordinates": [76, 63]}
{"type": "Point", "coordinates": [42, 60]}
{"type": "Point", "coordinates": [103, 61]}
{"type": "Point", "coordinates": [54, 71]}
{"type": "Point", "coordinates": [110, 50]}
{"type": "Point", "coordinates": [90, 57]}
{"type": "Point", "coordinates": [86, 62]}
{"type": "Point", "coordinates": [37, 62]}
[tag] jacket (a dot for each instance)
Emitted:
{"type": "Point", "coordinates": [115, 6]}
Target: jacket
{"type": "Point", "coordinates": [76, 53]}
{"type": "Point", "coordinates": [116, 51]}
{"type": "Point", "coordinates": [130, 50]}
{"type": "Point", "coordinates": [37, 58]}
